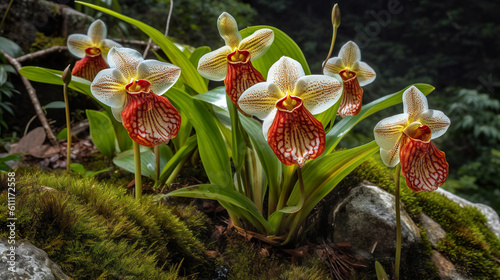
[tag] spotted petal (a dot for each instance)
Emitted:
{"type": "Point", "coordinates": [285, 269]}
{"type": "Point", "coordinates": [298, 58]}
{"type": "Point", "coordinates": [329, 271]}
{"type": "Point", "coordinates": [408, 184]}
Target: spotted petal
{"type": "Point", "coordinates": [389, 131]}
{"type": "Point", "coordinates": [390, 157]}
{"type": "Point", "coordinates": [109, 87]}
{"type": "Point", "coordinates": [436, 120]}
{"type": "Point", "coordinates": [97, 32]}
{"type": "Point", "coordinates": [228, 30]}
{"type": "Point", "coordinates": [333, 66]}
{"type": "Point", "coordinates": [106, 46]}
{"type": "Point", "coordinates": [213, 65]}
{"type": "Point", "coordinates": [125, 60]}
{"type": "Point", "coordinates": [161, 75]}
{"type": "Point", "coordinates": [77, 43]}
{"type": "Point", "coordinates": [349, 53]}
{"type": "Point", "coordinates": [423, 165]}
{"type": "Point", "coordinates": [318, 92]}
{"type": "Point", "coordinates": [260, 99]}
{"type": "Point", "coordinates": [414, 103]}
{"type": "Point", "coordinates": [258, 43]}
{"type": "Point", "coordinates": [285, 73]}
{"type": "Point", "coordinates": [365, 73]}
{"type": "Point", "coordinates": [150, 119]}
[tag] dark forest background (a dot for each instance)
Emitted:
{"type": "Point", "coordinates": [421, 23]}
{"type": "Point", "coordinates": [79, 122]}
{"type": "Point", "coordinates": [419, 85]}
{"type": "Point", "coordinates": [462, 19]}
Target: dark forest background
{"type": "Point", "coordinates": [452, 45]}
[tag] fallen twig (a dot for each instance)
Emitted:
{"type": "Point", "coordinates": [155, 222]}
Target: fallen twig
{"type": "Point", "coordinates": [34, 100]}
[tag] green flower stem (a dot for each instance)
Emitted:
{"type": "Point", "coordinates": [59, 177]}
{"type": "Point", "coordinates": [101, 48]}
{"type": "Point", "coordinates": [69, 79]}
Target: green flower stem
{"type": "Point", "coordinates": [335, 24]}
{"type": "Point", "coordinates": [67, 80]}
{"type": "Point", "coordinates": [137, 163]}
{"type": "Point", "coordinates": [175, 172]}
{"type": "Point", "coordinates": [156, 151]}
{"type": "Point", "coordinates": [398, 223]}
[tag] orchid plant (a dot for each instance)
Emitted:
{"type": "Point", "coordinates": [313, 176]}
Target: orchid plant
{"type": "Point", "coordinates": [406, 139]}
{"type": "Point", "coordinates": [287, 159]}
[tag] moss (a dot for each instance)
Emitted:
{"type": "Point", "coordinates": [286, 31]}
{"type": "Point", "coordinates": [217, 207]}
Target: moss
{"type": "Point", "coordinates": [94, 230]}
{"type": "Point", "coordinates": [469, 244]}
{"type": "Point", "coordinates": [243, 260]}
{"type": "Point", "coordinates": [43, 42]}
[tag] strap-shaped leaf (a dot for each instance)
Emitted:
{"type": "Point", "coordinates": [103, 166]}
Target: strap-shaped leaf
{"type": "Point", "coordinates": [177, 159]}
{"type": "Point", "coordinates": [212, 147]}
{"type": "Point", "coordinates": [102, 132]}
{"type": "Point", "coordinates": [229, 196]}
{"type": "Point", "coordinates": [283, 45]}
{"type": "Point", "coordinates": [49, 76]}
{"type": "Point", "coordinates": [189, 74]}
{"type": "Point", "coordinates": [335, 134]}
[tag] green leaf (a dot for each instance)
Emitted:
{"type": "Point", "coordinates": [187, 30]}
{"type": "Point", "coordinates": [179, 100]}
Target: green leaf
{"type": "Point", "coordinates": [189, 73]}
{"type": "Point", "coordinates": [381, 274]}
{"type": "Point", "coordinates": [212, 147]}
{"type": "Point", "coordinates": [10, 47]}
{"type": "Point", "coordinates": [126, 161]}
{"type": "Point", "coordinates": [282, 45]}
{"type": "Point", "coordinates": [55, 105]}
{"type": "Point", "coordinates": [334, 136]}
{"type": "Point", "coordinates": [177, 159]}
{"type": "Point", "coordinates": [62, 134]}
{"type": "Point", "coordinates": [3, 76]}
{"type": "Point", "coordinates": [49, 76]}
{"type": "Point", "coordinates": [102, 132]}
{"type": "Point", "coordinates": [227, 195]}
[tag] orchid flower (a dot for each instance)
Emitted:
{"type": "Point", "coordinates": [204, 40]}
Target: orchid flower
{"type": "Point", "coordinates": [132, 87]}
{"type": "Point", "coordinates": [92, 49]}
{"type": "Point", "coordinates": [354, 73]}
{"type": "Point", "coordinates": [287, 103]}
{"type": "Point", "coordinates": [406, 138]}
{"type": "Point", "coordinates": [232, 62]}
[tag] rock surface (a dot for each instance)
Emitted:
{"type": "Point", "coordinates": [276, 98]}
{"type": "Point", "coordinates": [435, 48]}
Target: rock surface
{"type": "Point", "coordinates": [433, 230]}
{"type": "Point", "coordinates": [374, 209]}
{"type": "Point", "coordinates": [447, 270]}
{"type": "Point", "coordinates": [30, 263]}
{"type": "Point", "coordinates": [493, 219]}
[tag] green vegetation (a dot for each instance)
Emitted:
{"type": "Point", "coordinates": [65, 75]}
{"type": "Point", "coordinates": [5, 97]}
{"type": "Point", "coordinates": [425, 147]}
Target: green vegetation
{"type": "Point", "coordinates": [95, 230]}
{"type": "Point", "coordinates": [469, 244]}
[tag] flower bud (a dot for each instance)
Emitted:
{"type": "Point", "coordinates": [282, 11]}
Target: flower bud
{"type": "Point", "coordinates": [66, 75]}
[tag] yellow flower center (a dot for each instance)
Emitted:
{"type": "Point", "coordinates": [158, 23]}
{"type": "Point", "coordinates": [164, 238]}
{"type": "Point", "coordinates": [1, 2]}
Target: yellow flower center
{"type": "Point", "coordinates": [92, 51]}
{"type": "Point", "coordinates": [138, 86]}
{"type": "Point", "coordinates": [239, 56]}
{"type": "Point", "coordinates": [289, 103]}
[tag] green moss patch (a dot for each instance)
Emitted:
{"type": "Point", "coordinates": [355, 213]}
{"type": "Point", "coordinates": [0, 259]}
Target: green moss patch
{"type": "Point", "coordinates": [469, 244]}
{"type": "Point", "coordinates": [95, 231]}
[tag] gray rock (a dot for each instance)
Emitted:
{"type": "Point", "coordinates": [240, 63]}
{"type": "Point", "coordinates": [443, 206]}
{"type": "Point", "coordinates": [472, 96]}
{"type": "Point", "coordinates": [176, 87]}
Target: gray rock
{"type": "Point", "coordinates": [493, 220]}
{"type": "Point", "coordinates": [30, 263]}
{"type": "Point", "coordinates": [366, 218]}
{"type": "Point", "coordinates": [447, 270]}
{"type": "Point", "coordinates": [434, 231]}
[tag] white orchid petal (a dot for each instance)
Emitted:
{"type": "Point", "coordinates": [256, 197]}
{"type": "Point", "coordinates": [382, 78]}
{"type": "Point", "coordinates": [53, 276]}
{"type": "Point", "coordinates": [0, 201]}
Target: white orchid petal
{"type": "Point", "coordinates": [414, 103]}
{"type": "Point", "coordinates": [106, 46]}
{"type": "Point", "coordinates": [436, 120]}
{"type": "Point", "coordinates": [318, 92]}
{"type": "Point", "coordinates": [77, 43]}
{"type": "Point", "coordinates": [228, 30]}
{"type": "Point", "coordinates": [97, 32]}
{"type": "Point", "coordinates": [161, 75]}
{"type": "Point", "coordinates": [349, 53]}
{"type": "Point", "coordinates": [125, 60]}
{"type": "Point", "coordinates": [268, 121]}
{"type": "Point", "coordinates": [258, 43]}
{"type": "Point", "coordinates": [333, 66]}
{"type": "Point", "coordinates": [109, 87]}
{"type": "Point", "coordinates": [390, 157]}
{"type": "Point", "coordinates": [117, 112]}
{"type": "Point", "coordinates": [388, 131]}
{"type": "Point", "coordinates": [213, 65]}
{"type": "Point", "coordinates": [285, 73]}
{"type": "Point", "coordinates": [365, 73]}
{"type": "Point", "coordinates": [260, 99]}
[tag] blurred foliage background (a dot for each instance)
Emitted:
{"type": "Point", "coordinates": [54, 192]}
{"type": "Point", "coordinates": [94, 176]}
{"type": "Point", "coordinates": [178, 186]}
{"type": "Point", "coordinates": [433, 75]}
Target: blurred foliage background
{"type": "Point", "coordinates": [452, 45]}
